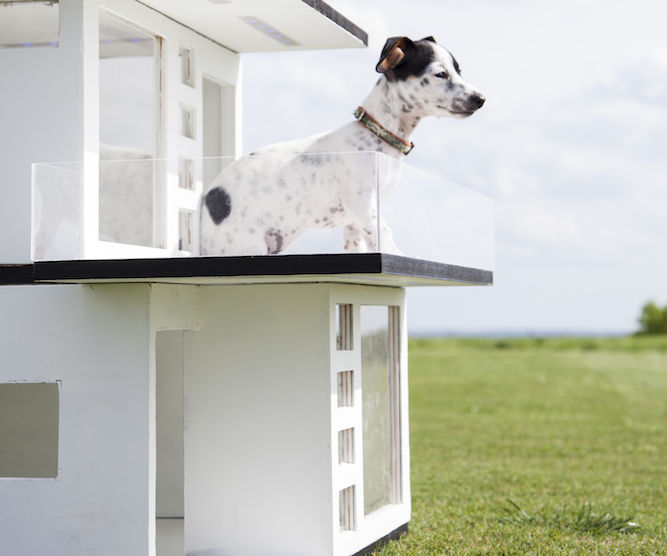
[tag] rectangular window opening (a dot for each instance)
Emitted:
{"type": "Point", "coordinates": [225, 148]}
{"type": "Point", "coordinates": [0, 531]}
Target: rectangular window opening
{"type": "Point", "coordinates": [29, 23]}
{"type": "Point", "coordinates": [346, 446]}
{"type": "Point", "coordinates": [185, 230]}
{"type": "Point", "coordinates": [131, 173]}
{"type": "Point", "coordinates": [186, 61]}
{"type": "Point", "coordinates": [345, 389]}
{"type": "Point", "coordinates": [188, 122]}
{"type": "Point", "coordinates": [347, 509]}
{"type": "Point", "coordinates": [344, 327]}
{"type": "Point", "coordinates": [29, 420]}
{"type": "Point", "coordinates": [186, 173]}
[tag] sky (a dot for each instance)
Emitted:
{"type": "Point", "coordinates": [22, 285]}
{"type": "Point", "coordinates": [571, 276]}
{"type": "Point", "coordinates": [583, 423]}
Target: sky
{"type": "Point", "coordinates": [571, 146]}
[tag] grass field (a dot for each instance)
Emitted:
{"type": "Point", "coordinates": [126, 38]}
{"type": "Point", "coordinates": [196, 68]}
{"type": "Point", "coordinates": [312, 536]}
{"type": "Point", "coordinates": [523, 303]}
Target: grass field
{"type": "Point", "coordinates": [531, 446]}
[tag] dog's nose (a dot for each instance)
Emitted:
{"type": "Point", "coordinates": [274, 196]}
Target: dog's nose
{"type": "Point", "coordinates": [476, 100]}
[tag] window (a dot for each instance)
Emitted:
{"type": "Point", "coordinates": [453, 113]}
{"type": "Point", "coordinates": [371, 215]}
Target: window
{"type": "Point", "coordinates": [380, 406]}
{"type": "Point", "coordinates": [346, 446]}
{"type": "Point", "coordinates": [344, 326]}
{"type": "Point", "coordinates": [186, 173]}
{"type": "Point", "coordinates": [29, 430]}
{"type": "Point", "coordinates": [347, 509]}
{"type": "Point", "coordinates": [345, 389]}
{"type": "Point", "coordinates": [186, 61]}
{"type": "Point", "coordinates": [131, 188]}
{"type": "Point", "coordinates": [188, 120]}
{"type": "Point", "coordinates": [185, 230]}
{"type": "Point", "coordinates": [28, 24]}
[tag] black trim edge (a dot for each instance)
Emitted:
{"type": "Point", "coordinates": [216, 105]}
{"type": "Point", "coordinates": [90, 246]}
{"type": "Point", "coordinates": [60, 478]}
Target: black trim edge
{"type": "Point", "coordinates": [16, 274]}
{"type": "Point", "coordinates": [190, 267]}
{"type": "Point", "coordinates": [394, 535]}
{"type": "Point", "coordinates": [338, 19]}
{"type": "Point", "coordinates": [266, 265]}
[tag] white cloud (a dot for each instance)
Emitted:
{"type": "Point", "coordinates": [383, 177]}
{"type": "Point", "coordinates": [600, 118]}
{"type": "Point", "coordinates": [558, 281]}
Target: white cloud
{"type": "Point", "coordinates": [570, 145]}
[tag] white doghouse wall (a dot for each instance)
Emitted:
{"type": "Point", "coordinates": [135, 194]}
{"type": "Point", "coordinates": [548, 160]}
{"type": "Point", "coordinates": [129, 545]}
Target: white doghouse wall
{"type": "Point", "coordinates": [50, 112]}
{"type": "Point", "coordinates": [214, 405]}
{"type": "Point", "coordinates": [94, 342]}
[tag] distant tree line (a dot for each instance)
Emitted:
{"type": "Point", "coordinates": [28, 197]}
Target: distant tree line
{"type": "Point", "coordinates": [653, 319]}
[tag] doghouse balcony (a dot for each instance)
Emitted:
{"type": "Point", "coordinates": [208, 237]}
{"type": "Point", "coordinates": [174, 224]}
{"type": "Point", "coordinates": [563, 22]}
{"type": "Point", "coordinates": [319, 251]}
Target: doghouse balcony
{"type": "Point", "coordinates": [147, 208]}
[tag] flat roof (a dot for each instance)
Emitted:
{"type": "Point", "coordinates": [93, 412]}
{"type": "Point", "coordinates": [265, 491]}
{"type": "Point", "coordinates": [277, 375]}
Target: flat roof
{"type": "Point", "coordinates": [265, 25]}
{"type": "Point", "coordinates": [358, 268]}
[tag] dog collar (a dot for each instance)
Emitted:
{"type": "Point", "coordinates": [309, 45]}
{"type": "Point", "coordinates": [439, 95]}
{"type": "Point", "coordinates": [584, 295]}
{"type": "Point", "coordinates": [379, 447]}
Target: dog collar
{"type": "Point", "coordinates": [387, 136]}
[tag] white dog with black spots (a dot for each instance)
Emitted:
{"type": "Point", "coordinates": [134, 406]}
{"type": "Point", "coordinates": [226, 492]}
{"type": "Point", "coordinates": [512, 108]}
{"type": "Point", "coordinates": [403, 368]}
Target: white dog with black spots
{"type": "Point", "coordinates": [267, 199]}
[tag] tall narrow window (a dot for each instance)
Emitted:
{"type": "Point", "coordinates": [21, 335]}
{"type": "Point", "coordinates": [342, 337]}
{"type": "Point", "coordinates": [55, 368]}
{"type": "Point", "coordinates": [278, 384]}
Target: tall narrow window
{"type": "Point", "coordinates": [188, 122]}
{"type": "Point", "coordinates": [345, 388]}
{"type": "Point", "coordinates": [344, 326]}
{"type": "Point", "coordinates": [186, 61]}
{"type": "Point", "coordinates": [185, 230]}
{"type": "Point", "coordinates": [131, 196]}
{"type": "Point", "coordinates": [347, 509]}
{"type": "Point", "coordinates": [186, 173]}
{"type": "Point", "coordinates": [346, 446]}
{"type": "Point", "coordinates": [380, 406]}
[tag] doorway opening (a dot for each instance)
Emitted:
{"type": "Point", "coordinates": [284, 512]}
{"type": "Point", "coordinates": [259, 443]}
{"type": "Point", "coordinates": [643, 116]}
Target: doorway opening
{"type": "Point", "coordinates": [170, 443]}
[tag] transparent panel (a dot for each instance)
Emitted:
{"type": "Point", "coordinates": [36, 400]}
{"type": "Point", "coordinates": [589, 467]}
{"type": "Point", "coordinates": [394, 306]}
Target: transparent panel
{"type": "Point", "coordinates": [427, 217]}
{"type": "Point", "coordinates": [129, 131]}
{"type": "Point", "coordinates": [28, 24]}
{"type": "Point", "coordinates": [376, 400]}
{"type": "Point", "coordinates": [56, 211]}
{"type": "Point", "coordinates": [277, 204]}
{"type": "Point", "coordinates": [29, 416]}
{"type": "Point", "coordinates": [127, 201]}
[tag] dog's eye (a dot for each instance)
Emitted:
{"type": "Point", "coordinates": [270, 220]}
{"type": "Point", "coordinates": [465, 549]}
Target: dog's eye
{"type": "Point", "coordinates": [442, 75]}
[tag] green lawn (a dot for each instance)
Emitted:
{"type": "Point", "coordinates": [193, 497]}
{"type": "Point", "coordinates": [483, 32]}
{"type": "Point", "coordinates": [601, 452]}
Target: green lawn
{"type": "Point", "coordinates": [572, 432]}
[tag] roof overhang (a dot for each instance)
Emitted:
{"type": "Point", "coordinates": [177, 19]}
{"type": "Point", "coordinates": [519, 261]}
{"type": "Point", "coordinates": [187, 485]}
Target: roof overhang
{"type": "Point", "coordinates": [265, 25]}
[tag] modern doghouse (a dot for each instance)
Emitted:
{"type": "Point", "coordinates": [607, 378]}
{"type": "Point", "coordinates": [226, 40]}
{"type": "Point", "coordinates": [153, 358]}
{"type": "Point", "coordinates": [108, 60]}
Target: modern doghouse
{"type": "Point", "coordinates": [156, 402]}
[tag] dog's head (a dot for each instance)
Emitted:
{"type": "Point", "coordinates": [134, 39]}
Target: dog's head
{"type": "Point", "coordinates": [429, 78]}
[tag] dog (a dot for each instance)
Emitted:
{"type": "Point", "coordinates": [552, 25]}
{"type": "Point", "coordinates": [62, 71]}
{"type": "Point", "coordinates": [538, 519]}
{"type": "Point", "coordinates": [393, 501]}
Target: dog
{"type": "Point", "coordinates": [265, 200]}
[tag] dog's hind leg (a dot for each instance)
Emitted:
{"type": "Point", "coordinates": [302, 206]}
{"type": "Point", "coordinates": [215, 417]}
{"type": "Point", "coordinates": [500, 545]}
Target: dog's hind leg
{"type": "Point", "coordinates": [353, 239]}
{"type": "Point", "coordinates": [358, 240]}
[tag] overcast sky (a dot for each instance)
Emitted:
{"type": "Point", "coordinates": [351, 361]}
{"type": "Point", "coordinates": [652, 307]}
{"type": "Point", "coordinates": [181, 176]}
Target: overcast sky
{"type": "Point", "coordinates": [571, 146]}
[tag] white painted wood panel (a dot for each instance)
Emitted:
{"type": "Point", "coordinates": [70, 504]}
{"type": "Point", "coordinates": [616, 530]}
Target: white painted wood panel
{"type": "Point", "coordinates": [95, 341]}
{"type": "Point", "coordinates": [258, 453]}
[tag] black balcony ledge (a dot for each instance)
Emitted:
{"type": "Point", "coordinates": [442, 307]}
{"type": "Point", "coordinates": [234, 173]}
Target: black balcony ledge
{"type": "Point", "coordinates": [358, 268]}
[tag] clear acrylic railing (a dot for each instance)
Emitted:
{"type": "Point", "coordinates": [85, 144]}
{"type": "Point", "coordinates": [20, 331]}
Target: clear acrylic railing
{"type": "Point", "coordinates": [263, 204]}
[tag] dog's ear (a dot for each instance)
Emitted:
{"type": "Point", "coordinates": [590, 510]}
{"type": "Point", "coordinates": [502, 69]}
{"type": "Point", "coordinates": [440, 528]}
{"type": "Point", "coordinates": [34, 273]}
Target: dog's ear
{"type": "Point", "coordinates": [393, 53]}
{"type": "Point", "coordinates": [429, 38]}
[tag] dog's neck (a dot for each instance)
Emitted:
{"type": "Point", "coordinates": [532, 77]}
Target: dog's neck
{"type": "Point", "coordinates": [392, 109]}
